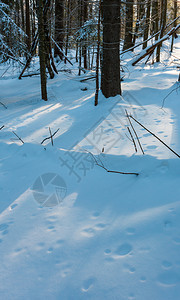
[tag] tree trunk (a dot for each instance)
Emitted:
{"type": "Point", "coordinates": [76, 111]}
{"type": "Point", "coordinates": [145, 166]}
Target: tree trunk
{"type": "Point", "coordinates": [128, 41]}
{"type": "Point", "coordinates": [28, 29]}
{"type": "Point", "coordinates": [110, 75]}
{"type": "Point", "coordinates": [175, 23]}
{"type": "Point", "coordinates": [42, 51]}
{"type": "Point", "coordinates": [147, 24]}
{"type": "Point", "coordinates": [59, 27]}
{"type": "Point", "coordinates": [163, 24]}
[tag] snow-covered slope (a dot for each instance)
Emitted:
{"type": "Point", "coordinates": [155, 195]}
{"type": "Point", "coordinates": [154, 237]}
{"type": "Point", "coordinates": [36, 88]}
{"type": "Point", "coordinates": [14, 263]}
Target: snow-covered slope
{"type": "Point", "coordinates": [111, 236]}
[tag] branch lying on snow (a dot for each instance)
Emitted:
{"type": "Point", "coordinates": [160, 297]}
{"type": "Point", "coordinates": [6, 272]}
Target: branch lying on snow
{"type": "Point", "coordinates": [1, 127]}
{"type": "Point", "coordinates": [155, 136]}
{"type": "Point", "coordinates": [134, 132]}
{"type": "Point", "coordinates": [89, 78]}
{"type": "Point", "coordinates": [3, 105]}
{"type": "Point", "coordinates": [18, 137]}
{"type": "Point", "coordinates": [109, 171]}
{"type": "Point", "coordinates": [50, 137]}
{"type": "Point", "coordinates": [149, 50]}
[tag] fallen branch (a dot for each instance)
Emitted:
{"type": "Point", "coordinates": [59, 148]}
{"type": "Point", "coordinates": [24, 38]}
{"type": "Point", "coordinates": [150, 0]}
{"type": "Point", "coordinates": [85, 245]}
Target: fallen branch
{"type": "Point", "coordinates": [18, 137]}
{"type": "Point", "coordinates": [89, 78]}
{"type": "Point", "coordinates": [110, 171]}
{"type": "Point", "coordinates": [134, 131]}
{"type": "Point", "coordinates": [150, 38]}
{"type": "Point", "coordinates": [61, 51]}
{"type": "Point", "coordinates": [155, 136]}
{"type": "Point", "coordinates": [3, 105]}
{"type": "Point", "coordinates": [132, 139]}
{"type": "Point", "coordinates": [50, 137]}
{"type": "Point", "coordinates": [150, 49]}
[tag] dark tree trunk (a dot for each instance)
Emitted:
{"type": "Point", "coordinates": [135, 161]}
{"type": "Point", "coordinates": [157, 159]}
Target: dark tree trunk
{"type": "Point", "coordinates": [59, 27]}
{"type": "Point", "coordinates": [28, 28]}
{"type": "Point", "coordinates": [175, 23]}
{"type": "Point", "coordinates": [84, 49]}
{"type": "Point", "coordinates": [147, 23]}
{"type": "Point", "coordinates": [110, 75]}
{"type": "Point", "coordinates": [128, 41]}
{"type": "Point", "coordinates": [42, 51]}
{"type": "Point", "coordinates": [163, 24]}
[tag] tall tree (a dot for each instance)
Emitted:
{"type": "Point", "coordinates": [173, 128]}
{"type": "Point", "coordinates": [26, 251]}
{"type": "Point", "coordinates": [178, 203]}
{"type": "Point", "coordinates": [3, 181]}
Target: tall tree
{"type": "Point", "coordinates": [42, 48]}
{"type": "Point", "coordinates": [59, 27]}
{"type": "Point", "coordinates": [110, 74]}
{"type": "Point", "coordinates": [162, 26]}
{"type": "Point", "coordinates": [128, 40]}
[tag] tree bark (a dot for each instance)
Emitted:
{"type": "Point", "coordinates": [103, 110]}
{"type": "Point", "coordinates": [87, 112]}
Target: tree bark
{"type": "Point", "coordinates": [59, 27]}
{"type": "Point", "coordinates": [110, 75]}
{"type": "Point", "coordinates": [42, 51]}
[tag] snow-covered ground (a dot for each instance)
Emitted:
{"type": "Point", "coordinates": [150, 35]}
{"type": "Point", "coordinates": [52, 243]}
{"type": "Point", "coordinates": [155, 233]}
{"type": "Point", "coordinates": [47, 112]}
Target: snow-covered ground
{"type": "Point", "coordinates": [111, 236]}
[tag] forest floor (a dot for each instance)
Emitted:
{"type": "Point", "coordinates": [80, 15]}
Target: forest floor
{"type": "Point", "coordinates": [69, 229]}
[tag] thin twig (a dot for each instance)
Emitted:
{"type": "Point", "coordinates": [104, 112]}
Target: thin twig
{"type": "Point", "coordinates": [110, 171]}
{"type": "Point", "coordinates": [18, 137]}
{"type": "Point", "coordinates": [3, 105]}
{"type": "Point", "coordinates": [50, 136]}
{"type": "Point", "coordinates": [132, 139]}
{"type": "Point", "coordinates": [155, 136]}
{"type": "Point", "coordinates": [169, 94]}
{"type": "Point", "coordinates": [134, 132]}
{"type": "Point", "coordinates": [1, 127]}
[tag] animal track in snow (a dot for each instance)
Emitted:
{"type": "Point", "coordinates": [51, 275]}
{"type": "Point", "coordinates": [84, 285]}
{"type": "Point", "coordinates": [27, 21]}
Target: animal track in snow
{"type": "Point", "coordinates": [166, 264]}
{"type": "Point", "coordinates": [88, 232]}
{"type": "Point", "coordinates": [131, 231]}
{"type": "Point", "coordinates": [88, 283]}
{"type": "Point", "coordinates": [3, 228]}
{"type": "Point", "coordinates": [168, 279]}
{"type": "Point", "coordinates": [122, 250]}
{"type": "Point", "coordinates": [176, 240]}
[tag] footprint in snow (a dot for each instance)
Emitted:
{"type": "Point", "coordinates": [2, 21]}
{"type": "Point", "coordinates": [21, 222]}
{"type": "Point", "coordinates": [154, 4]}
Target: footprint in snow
{"type": "Point", "coordinates": [88, 232]}
{"type": "Point", "coordinates": [166, 264]}
{"type": "Point", "coordinates": [123, 250]}
{"type": "Point", "coordinates": [176, 240]}
{"type": "Point", "coordinates": [13, 206]}
{"type": "Point", "coordinates": [95, 215]}
{"type": "Point", "coordinates": [168, 279]}
{"type": "Point", "coordinates": [130, 231]}
{"type": "Point", "coordinates": [88, 284]}
{"type": "Point", "coordinates": [3, 228]}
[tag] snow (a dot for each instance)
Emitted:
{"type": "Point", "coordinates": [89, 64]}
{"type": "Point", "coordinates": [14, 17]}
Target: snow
{"type": "Point", "coordinates": [112, 236]}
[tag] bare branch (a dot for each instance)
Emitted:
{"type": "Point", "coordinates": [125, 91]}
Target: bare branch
{"type": "Point", "coordinates": [155, 136]}
{"type": "Point", "coordinates": [18, 137]}
{"type": "Point", "coordinates": [50, 137]}
{"type": "Point", "coordinates": [134, 131]}
{"type": "Point", "coordinates": [110, 171]}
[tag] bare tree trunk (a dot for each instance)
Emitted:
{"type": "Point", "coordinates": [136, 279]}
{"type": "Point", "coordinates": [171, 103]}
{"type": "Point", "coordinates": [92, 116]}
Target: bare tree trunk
{"type": "Point", "coordinates": [28, 28]}
{"type": "Point", "coordinates": [175, 23]}
{"type": "Point", "coordinates": [59, 27]}
{"type": "Point", "coordinates": [84, 49]}
{"type": "Point", "coordinates": [147, 24]}
{"type": "Point", "coordinates": [110, 75]}
{"type": "Point", "coordinates": [128, 41]}
{"type": "Point", "coordinates": [42, 51]}
{"type": "Point", "coordinates": [163, 24]}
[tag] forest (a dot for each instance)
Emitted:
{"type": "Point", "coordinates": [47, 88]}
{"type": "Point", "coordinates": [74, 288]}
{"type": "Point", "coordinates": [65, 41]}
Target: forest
{"type": "Point", "coordinates": [89, 149]}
